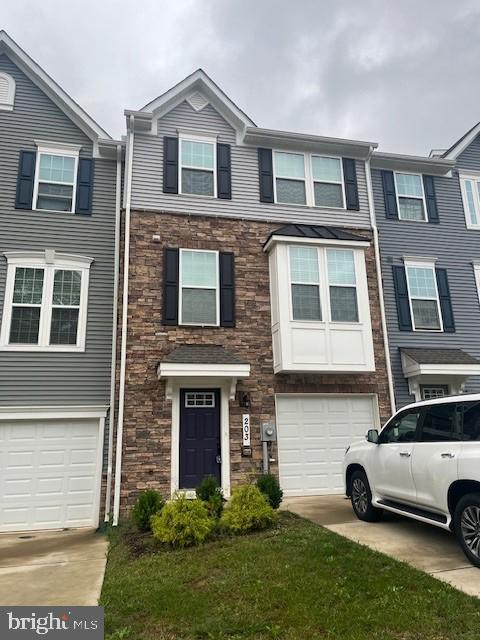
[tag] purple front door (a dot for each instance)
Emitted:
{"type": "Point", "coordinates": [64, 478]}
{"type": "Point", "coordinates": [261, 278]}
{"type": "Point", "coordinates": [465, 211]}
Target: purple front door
{"type": "Point", "coordinates": [199, 436]}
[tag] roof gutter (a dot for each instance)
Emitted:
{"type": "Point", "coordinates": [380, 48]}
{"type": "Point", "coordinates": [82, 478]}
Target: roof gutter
{"type": "Point", "coordinates": [378, 267]}
{"type": "Point", "coordinates": [123, 345]}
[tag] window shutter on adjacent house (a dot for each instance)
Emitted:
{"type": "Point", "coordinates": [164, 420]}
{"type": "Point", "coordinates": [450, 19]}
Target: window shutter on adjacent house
{"type": "Point", "coordinates": [351, 188]}
{"type": "Point", "coordinates": [430, 199]}
{"type": "Point", "coordinates": [170, 165]}
{"type": "Point", "coordinates": [389, 194]}
{"type": "Point", "coordinates": [227, 289]}
{"type": "Point", "coordinates": [265, 174]}
{"type": "Point", "coordinates": [224, 172]}
{"type": "Point", "coordinates": [445, 300]}
{"type": "Point", "coordinates": [401, 295]}
{"type": "Point", "coordinates": [25, 179]}
{"type": "Point", "coordinates": [170, 287]}
{"type": "Point", "coordinates": [84, 186]}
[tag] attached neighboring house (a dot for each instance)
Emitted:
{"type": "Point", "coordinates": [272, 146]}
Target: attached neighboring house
{"type": "Point", "coordinates": [428, 215]}
{"type": "Point", "coordinates": [58, 206]}
{"type": "Point", "coordinates": [252, 299]}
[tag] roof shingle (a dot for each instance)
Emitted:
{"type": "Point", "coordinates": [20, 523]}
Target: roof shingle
{"type": "Point", "coordinates": [439, 356]}
{"type": "Point", "coordinates": [202, 354]}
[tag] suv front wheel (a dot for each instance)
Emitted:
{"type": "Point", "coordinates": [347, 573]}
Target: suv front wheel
{"type": "Point", "coordinates": [467, 526]}
{"type": "Point", "coordinates": [361, 497]}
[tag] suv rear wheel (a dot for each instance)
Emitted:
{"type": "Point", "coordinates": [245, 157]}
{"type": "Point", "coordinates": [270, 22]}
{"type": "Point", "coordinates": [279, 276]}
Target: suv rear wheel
{"type": "Point", "coordinates": [361, 497]}
{"type": "Point", "coordinates": [466, 522]}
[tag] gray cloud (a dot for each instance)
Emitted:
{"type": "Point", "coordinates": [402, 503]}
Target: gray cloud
{"type": "Point", "coordinates": [401, 73]}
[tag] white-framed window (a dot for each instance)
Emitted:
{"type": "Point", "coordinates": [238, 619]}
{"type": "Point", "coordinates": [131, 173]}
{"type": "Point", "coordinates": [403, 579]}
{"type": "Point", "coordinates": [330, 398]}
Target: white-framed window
{"type": "Point", "coordinates": [470, 186]}
{"type": "Point", "coordinates": [431, 392]}
{"type": "Point", "coordinates": [308, 179]}
{"type": "Point", "coordinates": [200, 399]}
{"type": "Point", "coordinates": [7, 92]}
{"type": "Point", "coordinates": [410, 196]}
{"type": "Point", "coordinates": [199, 299]}
{"type": "Point", "coordinates": [476, 271]}
{"type": "Point", "coordinates": [55, 184]}
{"type": "Point", "coordinates": [197, 166]}
{"type": "Point", "coordinates": [45, 307]}
{"type": "Point", "coordinates": [423, 296]}
{"type": "Point", "coordinates": [323, 278]}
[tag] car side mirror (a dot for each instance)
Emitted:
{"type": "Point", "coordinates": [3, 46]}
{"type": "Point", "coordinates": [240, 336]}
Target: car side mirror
{"type": "Point", "coordinates": [372, 436]}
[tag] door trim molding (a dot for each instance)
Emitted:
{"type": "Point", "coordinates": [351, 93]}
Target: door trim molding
{"type": "Point", "coordinates": [224, 387]}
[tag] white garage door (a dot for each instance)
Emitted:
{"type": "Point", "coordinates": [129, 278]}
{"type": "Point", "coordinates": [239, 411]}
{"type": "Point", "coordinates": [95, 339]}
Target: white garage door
{"type": "Point", "coordinates": [313, 433]}
{"type": "Point", "coordinates": [49, 474]}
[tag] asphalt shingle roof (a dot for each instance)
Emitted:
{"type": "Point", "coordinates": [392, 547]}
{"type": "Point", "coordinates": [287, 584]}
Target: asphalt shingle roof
{"type": "Point", "coordinates": [202, 354]}
{"type": "Point", "coordinates": [440, 356]}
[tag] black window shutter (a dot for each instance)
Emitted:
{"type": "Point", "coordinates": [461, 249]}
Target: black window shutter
{"type": "Point", "coordinates": [401, 295]}
{"type": "Point", "coordinates": [389, 194]}
{"type": "Point", "coordinates": [351, 188]}
{"type": "Point", "coordinates": [445, 301]}
{"type": "Point", "coordinates": [429, 188]}
{"type": "Point", "coordinates": [265, 174]}
{"type": "Point", "coordinates": [170, 287]}
{"type": "Point", "coordinates": [227, 289]}
{"type": "Point", "coordinates": [170, 165]}
{"type": "Point", "coordinates": [25, 179]}
{"type": "Point", "coordinates": [84, 186]}
{"type": "Point", "coordinates": [224, 172]}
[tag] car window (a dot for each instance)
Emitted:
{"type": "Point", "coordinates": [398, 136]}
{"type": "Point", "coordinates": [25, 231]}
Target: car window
{"type": "Point", "coordinates": [440, 423]}
{"type": "Point", "coordinates": [402, 428]}
{"type": "Point", "coordinates": [471, 421]}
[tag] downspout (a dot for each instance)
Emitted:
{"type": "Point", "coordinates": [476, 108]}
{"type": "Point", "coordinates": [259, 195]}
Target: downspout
{"type": "Point", "coordinates": [378, 265]}
{"type": "Point", "coordinates": [111, 418]}
{"type": "Point", "coordinates": [123, 347]}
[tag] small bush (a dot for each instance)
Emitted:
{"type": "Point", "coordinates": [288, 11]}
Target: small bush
{"type": "Point", "coordinates": [148, 504]}
{"type": "Point", "coordinates": [183, 522]}
{"type": "Point", "coordinates": [248, 510]}
{"type": "Point", "coordinates": [211, 494]}
{"type": "Point", "coordinates": [270, 487]}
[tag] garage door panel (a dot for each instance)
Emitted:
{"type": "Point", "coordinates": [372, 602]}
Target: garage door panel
{"type": "Point", "coordinates": [313, 433]}
{"type": "Point", "coordinates": [49, 480]}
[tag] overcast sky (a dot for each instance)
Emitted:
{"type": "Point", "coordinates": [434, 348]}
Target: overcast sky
{"type": "Point", "coordinates": [404, 73]}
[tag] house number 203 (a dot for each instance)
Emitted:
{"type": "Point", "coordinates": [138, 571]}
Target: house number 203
{"type": "Point", "coordinates": [246, 430]}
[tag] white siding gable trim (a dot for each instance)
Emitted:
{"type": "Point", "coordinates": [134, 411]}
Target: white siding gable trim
{"type": "Point", "coordinates": [7, 92]}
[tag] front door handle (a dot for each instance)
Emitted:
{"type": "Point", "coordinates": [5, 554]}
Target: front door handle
{"type": "Point", "coordinates": [448, 455]}
{"type": "Point", "coordinates": [405, 454]}
{"type": "Point", "coordinates": [218, 459]}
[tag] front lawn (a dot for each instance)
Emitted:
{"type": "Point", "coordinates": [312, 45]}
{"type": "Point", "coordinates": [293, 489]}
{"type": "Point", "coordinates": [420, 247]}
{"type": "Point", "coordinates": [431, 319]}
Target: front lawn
{"type": "Point", "coordinates": [295, 581]}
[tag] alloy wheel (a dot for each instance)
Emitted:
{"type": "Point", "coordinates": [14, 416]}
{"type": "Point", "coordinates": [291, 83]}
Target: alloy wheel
{"type": "Point", "coordinates": [470, 526]}
{"type": "Point", "coordinates": [359, 496]}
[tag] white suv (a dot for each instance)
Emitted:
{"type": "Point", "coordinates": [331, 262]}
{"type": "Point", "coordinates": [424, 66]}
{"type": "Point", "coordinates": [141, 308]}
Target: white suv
{"type": "Point", "coordinates": [424, 464]}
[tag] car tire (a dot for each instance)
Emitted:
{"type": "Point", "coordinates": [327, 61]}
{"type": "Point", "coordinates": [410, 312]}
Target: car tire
{"type": "Point", "coordinates": [361, 497]}
{"type": "Point", "coordinates": [466, 523]}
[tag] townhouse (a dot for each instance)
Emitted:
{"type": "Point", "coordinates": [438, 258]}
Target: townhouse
{"type": "Point", "coordinates": [251, 300]}
{"type": "Point", "coordinates": [59, 205]}
{"type": "Point", "coordinates": [428, 215]}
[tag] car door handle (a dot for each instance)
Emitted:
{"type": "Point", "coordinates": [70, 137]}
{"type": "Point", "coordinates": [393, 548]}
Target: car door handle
{"type": "Point", "coordinates": [448, 455]}
{"type": "Point", "coordinates": [405, 454]}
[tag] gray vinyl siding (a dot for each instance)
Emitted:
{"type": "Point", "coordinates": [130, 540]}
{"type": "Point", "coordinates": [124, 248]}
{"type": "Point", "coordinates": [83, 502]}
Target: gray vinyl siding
{"type": "Point", "coordinates": [147, 184]}
{"type": "Point", "coordinates": [29, 378]}
{"type": "Point", "coordinates": [455, 248]}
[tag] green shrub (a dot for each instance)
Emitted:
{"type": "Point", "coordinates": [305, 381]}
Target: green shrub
{"type": "Point", "coordinates": [211, 494]}
{"type": "Point", "coordinates": [148, 504]}
{"type": "Point", "coordinates": [270, 487]}
{"type": "Point", "coordinates": [248, 510]}
{"type": "Point", "coordinates": [183, 522]}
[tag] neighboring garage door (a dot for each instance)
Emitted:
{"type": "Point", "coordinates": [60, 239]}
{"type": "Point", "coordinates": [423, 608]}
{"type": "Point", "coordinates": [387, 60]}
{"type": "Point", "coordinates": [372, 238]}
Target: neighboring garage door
{"type": "Point", "coordinates": [313, 433]}
{"type": "Point", "coordinates": [49, 474]}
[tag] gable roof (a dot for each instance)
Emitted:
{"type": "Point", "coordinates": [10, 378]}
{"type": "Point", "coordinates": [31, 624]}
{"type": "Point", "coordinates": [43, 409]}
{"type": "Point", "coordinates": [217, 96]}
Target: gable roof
{"type": "Point", "coordinates": [201, 82]}
{"type": "Point", "coordinates": [39, 77]}
{"type": "Point", "coordinates": [462, 143]}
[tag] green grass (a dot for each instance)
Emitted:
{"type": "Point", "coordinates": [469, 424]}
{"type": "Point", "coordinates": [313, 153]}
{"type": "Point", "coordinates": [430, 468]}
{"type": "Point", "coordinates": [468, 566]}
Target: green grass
{"type": "Point", "coordinates": [296, 581]}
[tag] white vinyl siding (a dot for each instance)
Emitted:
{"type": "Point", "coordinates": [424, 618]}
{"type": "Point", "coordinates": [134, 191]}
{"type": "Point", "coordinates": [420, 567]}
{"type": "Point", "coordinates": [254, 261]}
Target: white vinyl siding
{"type": "Point", "coordinates": [410, 197]}
{"type": "Point", "coordinates": [423, 296]}
{"type": "Point", "coordinates": [199, 288]}
{"type": "Point", "coordinates": [470, 186]}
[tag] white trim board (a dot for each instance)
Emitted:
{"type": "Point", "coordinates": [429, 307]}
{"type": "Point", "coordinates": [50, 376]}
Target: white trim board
{"type": "Point", "coordinates": [53, 412]}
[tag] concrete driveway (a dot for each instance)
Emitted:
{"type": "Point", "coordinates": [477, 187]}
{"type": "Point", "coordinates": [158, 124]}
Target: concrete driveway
{"type": "Point", "coordinates": [52, 568]}
{"type": "Point", "coordinates": [428, 548]}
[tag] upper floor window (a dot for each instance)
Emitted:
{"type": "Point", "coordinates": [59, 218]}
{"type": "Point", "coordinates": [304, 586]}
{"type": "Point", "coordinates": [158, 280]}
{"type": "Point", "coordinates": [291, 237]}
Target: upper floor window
{"type": "Point", "coordinates": [45, 306]}
{"type": "Point", "coordinates": [309, 180]}
{"type": "Point", "coordinates": [199, 287]}
{"type": "Point", "coordinates": [55, 178]}
{"type": "Point", "coordinates": [7, 92]}
{"type": "Point", "coordinates": [197, 173]}
{"type": "Point", "coordinates": [423, 296]}
{"type": "Point", "coordinates": [470, 186]}
{"type": "Point", "coordinates": [410, 196]}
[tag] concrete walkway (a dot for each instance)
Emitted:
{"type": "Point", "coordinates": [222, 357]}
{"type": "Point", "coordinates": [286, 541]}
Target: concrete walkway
{"type": "Point", "coordinates": [52, 568]}
{"type": "Point", "coordinates": [427, 548]}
